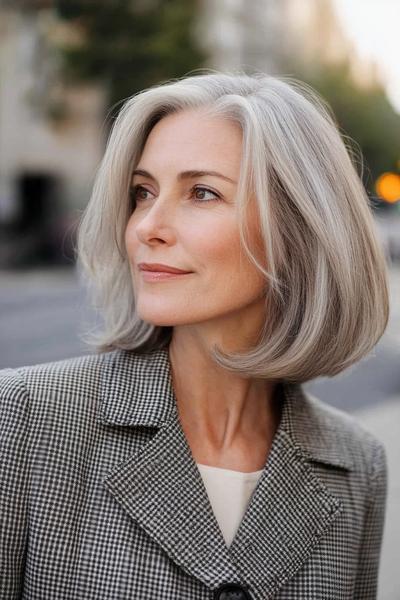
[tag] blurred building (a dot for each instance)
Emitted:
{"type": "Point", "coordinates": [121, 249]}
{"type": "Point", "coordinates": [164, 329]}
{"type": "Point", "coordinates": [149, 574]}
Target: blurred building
{"type": "Point", "coordinates": [275, 35]}
{"type": "Point", "coordinates": [239, 34]}
{"type": "Point", "coordinates": [50, 136]}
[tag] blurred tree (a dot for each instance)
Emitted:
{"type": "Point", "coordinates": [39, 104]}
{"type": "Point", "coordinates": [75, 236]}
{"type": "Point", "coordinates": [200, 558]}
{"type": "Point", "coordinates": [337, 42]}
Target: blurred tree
{"type": "Point", "coordinates": [364, 114]}
{"type": "Point", "coordinates": [128, 45]}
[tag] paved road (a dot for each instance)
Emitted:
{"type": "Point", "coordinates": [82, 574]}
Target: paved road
{"type": "Point", "coordinates": [41, 315]}
{"type": "Point", "coordinates": [384, 421]}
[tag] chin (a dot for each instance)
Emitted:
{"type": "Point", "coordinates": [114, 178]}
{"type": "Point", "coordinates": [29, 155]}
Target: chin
{"type": "Point", "coordinates": [169, 314]}
{"type": "Point", "coordinates": [167, 320]}
{"type": "Point", "coordinates": [160, 322]}
{"type": "Point", "coordinates": [160, 318]}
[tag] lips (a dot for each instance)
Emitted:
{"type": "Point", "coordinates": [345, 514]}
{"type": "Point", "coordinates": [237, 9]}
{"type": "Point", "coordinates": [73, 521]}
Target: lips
{"type": "Point", "coordinates": [160, 268]}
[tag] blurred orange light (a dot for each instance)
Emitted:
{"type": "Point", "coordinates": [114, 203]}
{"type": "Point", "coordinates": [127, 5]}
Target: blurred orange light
{"type": "Point", "coordinates": [388, 187]}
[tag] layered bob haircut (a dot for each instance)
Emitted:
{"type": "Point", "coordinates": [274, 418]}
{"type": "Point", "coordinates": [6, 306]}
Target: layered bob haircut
{"type": "Point", "coordinates": [326, 292]}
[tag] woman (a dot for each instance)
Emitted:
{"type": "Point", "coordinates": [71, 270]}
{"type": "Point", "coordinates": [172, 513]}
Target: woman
{"type": "Point", "coordinates": [234, 257]}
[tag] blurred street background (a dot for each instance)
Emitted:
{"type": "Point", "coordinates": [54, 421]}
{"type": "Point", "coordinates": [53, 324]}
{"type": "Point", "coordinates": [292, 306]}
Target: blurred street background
{"type": "Point", "coordinates": [65, 69]}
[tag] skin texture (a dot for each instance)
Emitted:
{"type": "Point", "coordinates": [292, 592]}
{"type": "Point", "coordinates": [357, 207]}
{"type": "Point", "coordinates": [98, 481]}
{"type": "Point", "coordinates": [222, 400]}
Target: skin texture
{"type": "Point", "coordinates": [229, 421]}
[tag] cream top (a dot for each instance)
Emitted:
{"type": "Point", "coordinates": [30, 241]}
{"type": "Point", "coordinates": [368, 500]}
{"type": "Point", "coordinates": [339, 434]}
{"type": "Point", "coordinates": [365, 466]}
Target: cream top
{"type": "Point", "coordinates": [229, 493]}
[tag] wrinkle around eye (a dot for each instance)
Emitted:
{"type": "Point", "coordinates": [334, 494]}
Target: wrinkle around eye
{"type": "Point", "coordinates": [134, 191]}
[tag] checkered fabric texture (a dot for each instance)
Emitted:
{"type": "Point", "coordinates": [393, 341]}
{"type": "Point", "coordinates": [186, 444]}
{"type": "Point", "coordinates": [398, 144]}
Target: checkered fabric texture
{"type": "Point", "coordinates": [101, 499]}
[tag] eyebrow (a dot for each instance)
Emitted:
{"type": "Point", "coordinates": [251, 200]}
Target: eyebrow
{"type": "Point", "coordinates": [186, 175]}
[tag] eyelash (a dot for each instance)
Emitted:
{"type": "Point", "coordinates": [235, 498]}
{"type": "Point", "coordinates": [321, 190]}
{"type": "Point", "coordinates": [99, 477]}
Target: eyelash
{"type": "Point", "coordinates": [134, 190]}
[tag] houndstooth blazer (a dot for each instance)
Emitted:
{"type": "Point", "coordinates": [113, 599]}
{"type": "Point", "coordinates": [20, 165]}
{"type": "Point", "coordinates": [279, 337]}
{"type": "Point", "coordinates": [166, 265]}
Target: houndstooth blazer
{"type": "Point", "coordinates": [100, 497]}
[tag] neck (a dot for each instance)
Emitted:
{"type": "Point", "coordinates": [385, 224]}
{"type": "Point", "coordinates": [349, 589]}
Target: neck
{"type": "Point", "coordinates": [219, 411]}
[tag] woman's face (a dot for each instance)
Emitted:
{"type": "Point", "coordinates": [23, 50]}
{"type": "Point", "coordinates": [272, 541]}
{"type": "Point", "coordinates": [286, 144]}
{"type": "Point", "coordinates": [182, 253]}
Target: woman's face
{"type": "Point", "coordinates": [185, 218]}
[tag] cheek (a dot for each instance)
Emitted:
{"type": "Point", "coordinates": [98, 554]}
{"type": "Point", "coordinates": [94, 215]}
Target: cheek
{"type": "Point", "coordinates": [215, 244]}
{"type": "Point", "coordinates": [226, 262]}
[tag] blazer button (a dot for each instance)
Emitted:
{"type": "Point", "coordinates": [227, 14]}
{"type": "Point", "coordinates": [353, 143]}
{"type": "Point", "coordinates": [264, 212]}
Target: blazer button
{"type": "Point", "coordinates": [231, 591]}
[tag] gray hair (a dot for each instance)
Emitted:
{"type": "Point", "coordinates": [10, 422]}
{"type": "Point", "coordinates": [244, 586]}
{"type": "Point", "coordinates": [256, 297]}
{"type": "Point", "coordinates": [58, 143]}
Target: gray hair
{"type": "Point", "coordinates": [327, 301]}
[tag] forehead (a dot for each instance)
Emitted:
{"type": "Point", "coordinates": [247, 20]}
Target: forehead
{"type": "Point", "coordinates": [193, 135]}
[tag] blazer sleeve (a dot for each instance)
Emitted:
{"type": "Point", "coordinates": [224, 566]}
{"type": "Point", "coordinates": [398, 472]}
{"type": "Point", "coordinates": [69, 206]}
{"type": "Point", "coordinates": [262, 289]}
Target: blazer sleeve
{"type": "Point", "coordinates": [368, 571]}
{"type": "Point", "coordinates": [14, 482]}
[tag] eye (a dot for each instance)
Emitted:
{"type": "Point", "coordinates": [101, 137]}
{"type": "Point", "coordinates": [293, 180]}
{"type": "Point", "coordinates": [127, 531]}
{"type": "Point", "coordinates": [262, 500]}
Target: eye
{"type": "Point", "coordinates": [138, 193]}
{"type": "Point", "coordinates": [199, 193]}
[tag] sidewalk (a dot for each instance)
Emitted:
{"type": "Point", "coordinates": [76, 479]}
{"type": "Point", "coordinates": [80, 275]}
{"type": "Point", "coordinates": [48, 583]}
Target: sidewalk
{"type": "Point", "coordinates": [384, 421]}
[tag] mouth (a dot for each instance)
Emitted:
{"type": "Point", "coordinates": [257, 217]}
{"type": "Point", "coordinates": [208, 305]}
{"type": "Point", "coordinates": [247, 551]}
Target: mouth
{"type": "Point", "coordinates": [155, 276]}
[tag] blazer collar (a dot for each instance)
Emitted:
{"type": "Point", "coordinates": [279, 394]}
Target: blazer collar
{"type": "Point", "coordinates": [137, 391]}
{"type": "Point", "coordinates": [136, 388]}
{"type": "Point", "coordinates": [161, 488]}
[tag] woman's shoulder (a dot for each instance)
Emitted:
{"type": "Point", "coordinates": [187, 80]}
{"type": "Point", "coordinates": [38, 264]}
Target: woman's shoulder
{"type": "Point", "coordinates": [337, 437]}
{"type": "Point", "coordinates": [69, 371]}
{"type": "Point", "coordinates": [51, 387]}
{"type": "Point", "coordinates": [55, 376]}
{"type": "Point", "coordinates": [59, 399]}
{"type": "Point", "coordinates": [78, 379]}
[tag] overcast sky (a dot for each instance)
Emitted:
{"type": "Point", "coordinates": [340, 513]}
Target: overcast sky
{"type": "Point", "coordinates": [374, 26]}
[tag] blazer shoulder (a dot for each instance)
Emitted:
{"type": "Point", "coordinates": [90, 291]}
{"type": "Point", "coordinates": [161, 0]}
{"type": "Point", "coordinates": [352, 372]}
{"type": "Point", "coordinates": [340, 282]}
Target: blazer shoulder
{"type": "Point", "coordinates": [43, 384]}
{"type": "Point", "coordinates": [336, 435]}
{"type": "Point", "coordinates": [116, 387]}
{"type": "Point", "coordinates": [49, 403]}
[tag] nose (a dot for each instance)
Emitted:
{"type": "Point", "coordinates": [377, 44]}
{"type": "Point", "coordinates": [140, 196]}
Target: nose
{"type": "Point", "coordinates": [156, 223]}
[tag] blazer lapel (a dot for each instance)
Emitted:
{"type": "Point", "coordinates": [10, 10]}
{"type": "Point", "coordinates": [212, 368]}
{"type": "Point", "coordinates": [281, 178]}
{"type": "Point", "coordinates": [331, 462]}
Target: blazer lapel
{"type": "Point", "coordinates": [161, 488]}
{"type": "Point", "coordinates": [289, 512]}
